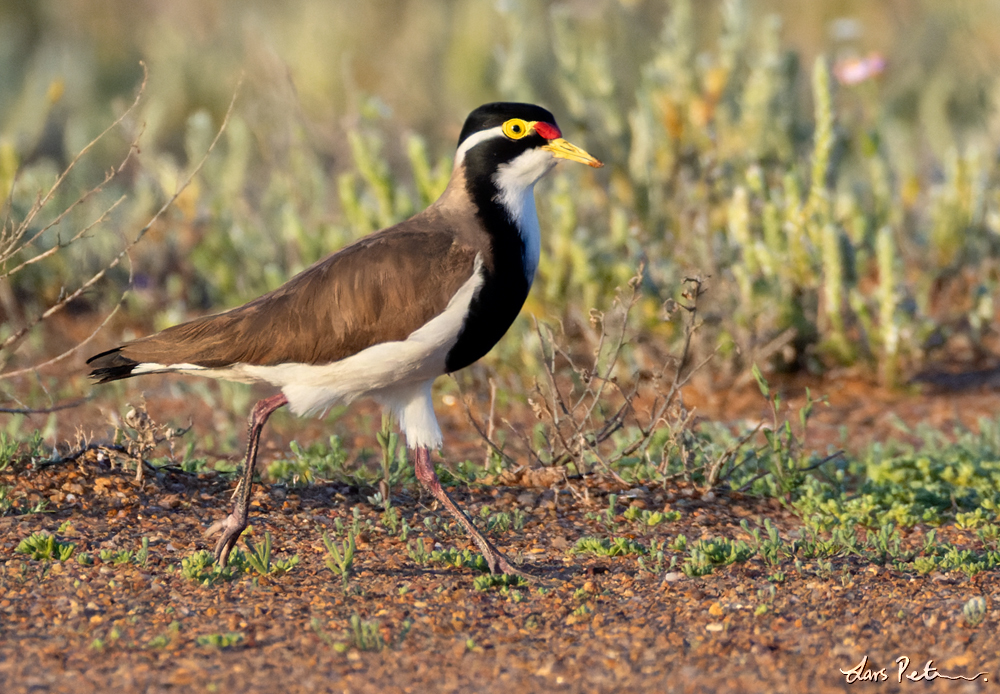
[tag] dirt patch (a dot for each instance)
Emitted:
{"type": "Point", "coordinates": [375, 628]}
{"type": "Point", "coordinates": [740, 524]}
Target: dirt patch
{"type": "Point", "coordinates": [597, 624]}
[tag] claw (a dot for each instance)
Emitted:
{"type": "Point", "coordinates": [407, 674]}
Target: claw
{"type": "Point", "coordinates": [215, 527]}
{"type": "Point", "coordinates": [231, 529]}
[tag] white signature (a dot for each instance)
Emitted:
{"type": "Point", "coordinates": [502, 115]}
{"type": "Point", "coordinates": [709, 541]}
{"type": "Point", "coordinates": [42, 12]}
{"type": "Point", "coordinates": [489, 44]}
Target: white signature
{"type": "Point", "coordinates": [862, 673]}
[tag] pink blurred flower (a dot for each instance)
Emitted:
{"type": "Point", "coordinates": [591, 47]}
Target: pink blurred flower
{"type": "Point", "coordinates": [856, 70]}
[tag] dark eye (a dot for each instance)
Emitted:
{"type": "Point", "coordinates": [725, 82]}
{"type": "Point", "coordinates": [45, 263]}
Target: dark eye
{"type": "Point", "coordinates": [516, 128]}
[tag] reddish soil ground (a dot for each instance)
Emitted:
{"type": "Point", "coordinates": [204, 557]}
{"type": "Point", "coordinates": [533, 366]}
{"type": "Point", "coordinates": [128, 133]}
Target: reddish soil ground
{"type": "Point", "coordinates": [603, 624]}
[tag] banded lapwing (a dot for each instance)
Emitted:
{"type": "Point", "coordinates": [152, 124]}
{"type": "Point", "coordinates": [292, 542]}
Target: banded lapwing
{"type": "Point", "coordinates": [389, 313]}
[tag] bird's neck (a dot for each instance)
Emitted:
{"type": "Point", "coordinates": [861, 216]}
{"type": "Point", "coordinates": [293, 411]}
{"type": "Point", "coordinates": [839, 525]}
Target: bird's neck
{"type": "Point", "coordinates": [520, 209]}
{"type": "Point", "coordinates": [507, 213]}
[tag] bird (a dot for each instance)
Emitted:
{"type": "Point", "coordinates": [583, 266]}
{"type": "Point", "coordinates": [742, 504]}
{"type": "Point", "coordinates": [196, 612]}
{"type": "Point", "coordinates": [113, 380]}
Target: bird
{"type": "Point", "coordinates": [389, 313]}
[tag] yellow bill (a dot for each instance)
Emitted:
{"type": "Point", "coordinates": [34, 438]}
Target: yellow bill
{"type": "Point", "coordinates": [565, 150]}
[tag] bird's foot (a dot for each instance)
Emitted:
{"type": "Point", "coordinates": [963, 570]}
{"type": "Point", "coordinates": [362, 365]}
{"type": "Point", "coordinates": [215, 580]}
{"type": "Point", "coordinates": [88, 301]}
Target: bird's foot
{"type": "Point", "coordinates": [231, 527]}
{"type": "Point", "coordinates": [498, 563]}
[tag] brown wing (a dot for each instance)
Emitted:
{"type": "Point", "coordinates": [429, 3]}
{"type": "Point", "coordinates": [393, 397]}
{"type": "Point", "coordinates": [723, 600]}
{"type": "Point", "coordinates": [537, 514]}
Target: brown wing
{"type": "Point", "coordinates": [378, 289]}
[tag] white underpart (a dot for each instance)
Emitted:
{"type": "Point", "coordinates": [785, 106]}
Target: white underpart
{"type": "Point", "coordinates": [154, 368]}
{"type": "Point", "coordinates": [398, 375]}
{"type": "Point", "coordinates": [515, 182]}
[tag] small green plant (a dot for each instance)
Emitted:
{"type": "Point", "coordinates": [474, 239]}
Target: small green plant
{"type": "Point", "coordinates": [460, 559]}
{"type": "Point", "coordinates": [317, 461]}
{"type": "Point", "coordinates": [951, 558]}
{"type": "Point", "coordinates": [972, 519]}
{"type": "Point", "coordinates": [613, 547]}
{"type": "Point", "coordinates": [770, 549]}
{"type": "Point", "coordinates": [989, 535]}
{"type": "Point", "coordinates": [697, 565]}
{"type": "Point", "coordinates": [364, 635]}
{"type": "Point", "coordinates": [226, 640]}
{"type": "Point", "coordinates": [43, 546]}
{"type": "Point", "coordinates": [340, 559]}
{"type": "Point", "coordinates": [260, 558]}
{"type": "Point", "coordinates": [388, 441]}
{"type": "Point", "coordinates": [416, 550]}
{"type": "Point", "coordinates": [886, 543]}
{"type": "Point", "coordinates": [139, 557]}
{"type": "Point", "coordinates": [503, 521]}
{"type": "Point", "coordinates": [442, 527]}
{"type": "Point", "coordinates": [607, 517]}
{"type": "Point", "coordinates": [191, 464]}
{"type": "Point", "coordinates": [40, 506]}
{"type": "Point", "coordinates": [321, 633]}
{"type": "Point", "coordinates": [115, 557]}
{"type": "Point", "coordinates": [723, 551]}
{"type": "Point", "coordinates": [609, 512]}
{"type": "Point", "coordinates": [355, 521]}
{"type": "Point", "coordinates": [166, 638]}
{"type": "Point", "coordinates": [201, 568]}
{"type": "Point", "coordinates": [705, 555]}
{"type": "Point", "coordinates": [974, 611]}
{"type": "Point", "coordinates": [391, 518]}
{"type": "Point", "coordinates": [658, 563]}
{"type": "Point", "coordinates": [8, 450]}
{"type": "Point", "coordinates": [650, 518]}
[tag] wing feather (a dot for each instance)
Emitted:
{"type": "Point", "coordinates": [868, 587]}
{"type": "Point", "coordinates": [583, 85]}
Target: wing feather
{"type": "Point", "coordinates": [380, 288]}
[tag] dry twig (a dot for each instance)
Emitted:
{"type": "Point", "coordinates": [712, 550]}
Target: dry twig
{"type": "Point", "coordinates": [13, 238]}
{"type": "Point", "coordinates": [582, 406]}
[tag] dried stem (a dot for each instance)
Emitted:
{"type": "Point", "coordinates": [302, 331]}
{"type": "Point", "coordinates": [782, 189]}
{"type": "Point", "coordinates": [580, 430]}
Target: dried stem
{"type": "Point", "coordinates": [581, 415]}
{"type": "Point", "coordinates": [64, 300]}
{"type": "Point", "coordinates": [44, 410]}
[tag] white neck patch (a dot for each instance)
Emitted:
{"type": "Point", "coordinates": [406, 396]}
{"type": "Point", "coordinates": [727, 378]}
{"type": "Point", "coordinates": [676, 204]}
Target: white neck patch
{"type": "Point", "coordinates": [473, 140]}
{"type": "Point", "coordinates": [515, 182]}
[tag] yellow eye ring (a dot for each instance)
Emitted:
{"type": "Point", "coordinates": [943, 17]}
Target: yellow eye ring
{"type": "Point", "coordinates": [516, 128]}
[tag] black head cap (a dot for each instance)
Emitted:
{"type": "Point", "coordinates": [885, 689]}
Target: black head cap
{"type": "Point", "coordinates": [491, 115]}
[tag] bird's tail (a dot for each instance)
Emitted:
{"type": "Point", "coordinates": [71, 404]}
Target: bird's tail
{"type": "Point", "coordinates": [111, 366]}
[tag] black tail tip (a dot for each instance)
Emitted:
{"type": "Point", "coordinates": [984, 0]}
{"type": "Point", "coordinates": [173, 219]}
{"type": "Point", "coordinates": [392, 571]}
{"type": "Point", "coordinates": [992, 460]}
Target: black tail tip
{"type": "Point", "coordinates": [111, 366]}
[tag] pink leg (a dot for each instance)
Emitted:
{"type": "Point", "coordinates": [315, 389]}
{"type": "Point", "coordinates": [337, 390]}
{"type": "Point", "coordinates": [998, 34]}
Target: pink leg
{"type": "Point", "coordinates": [233, 525]}
{"type": "Point", "coordinates": [425, 473]}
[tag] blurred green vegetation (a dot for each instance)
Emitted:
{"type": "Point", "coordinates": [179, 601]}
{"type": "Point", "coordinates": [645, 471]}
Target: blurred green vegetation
{"type": "Point", "coordinates": [838, 222]}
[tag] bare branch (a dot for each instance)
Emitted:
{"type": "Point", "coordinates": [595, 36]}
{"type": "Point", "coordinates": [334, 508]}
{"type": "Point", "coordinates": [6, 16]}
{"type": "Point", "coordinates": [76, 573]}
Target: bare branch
{"type": "Point", "coordinates": [65, 300]}
{"type": "Point", "coordinates": [44, 410]}
{"type": "Point", "coordinates": [59, 246]}
{"type": "Point", "coordinates": [43, 201]}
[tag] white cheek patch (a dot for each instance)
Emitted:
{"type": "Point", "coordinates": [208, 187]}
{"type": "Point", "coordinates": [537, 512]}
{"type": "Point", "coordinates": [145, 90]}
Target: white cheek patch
{"type": "Point", "coordinates": [473, 140]}
{"type": "Point", "coordinates": [522, 172]}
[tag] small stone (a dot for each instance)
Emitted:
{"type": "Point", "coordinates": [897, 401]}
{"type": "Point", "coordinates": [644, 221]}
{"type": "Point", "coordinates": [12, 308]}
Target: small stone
{"type": "Point", "coordinates": [527, 499]}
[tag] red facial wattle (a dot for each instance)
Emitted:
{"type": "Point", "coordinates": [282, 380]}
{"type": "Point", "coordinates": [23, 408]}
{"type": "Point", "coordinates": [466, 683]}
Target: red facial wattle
{"type": "Point", "coordinates": [548, 131]}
